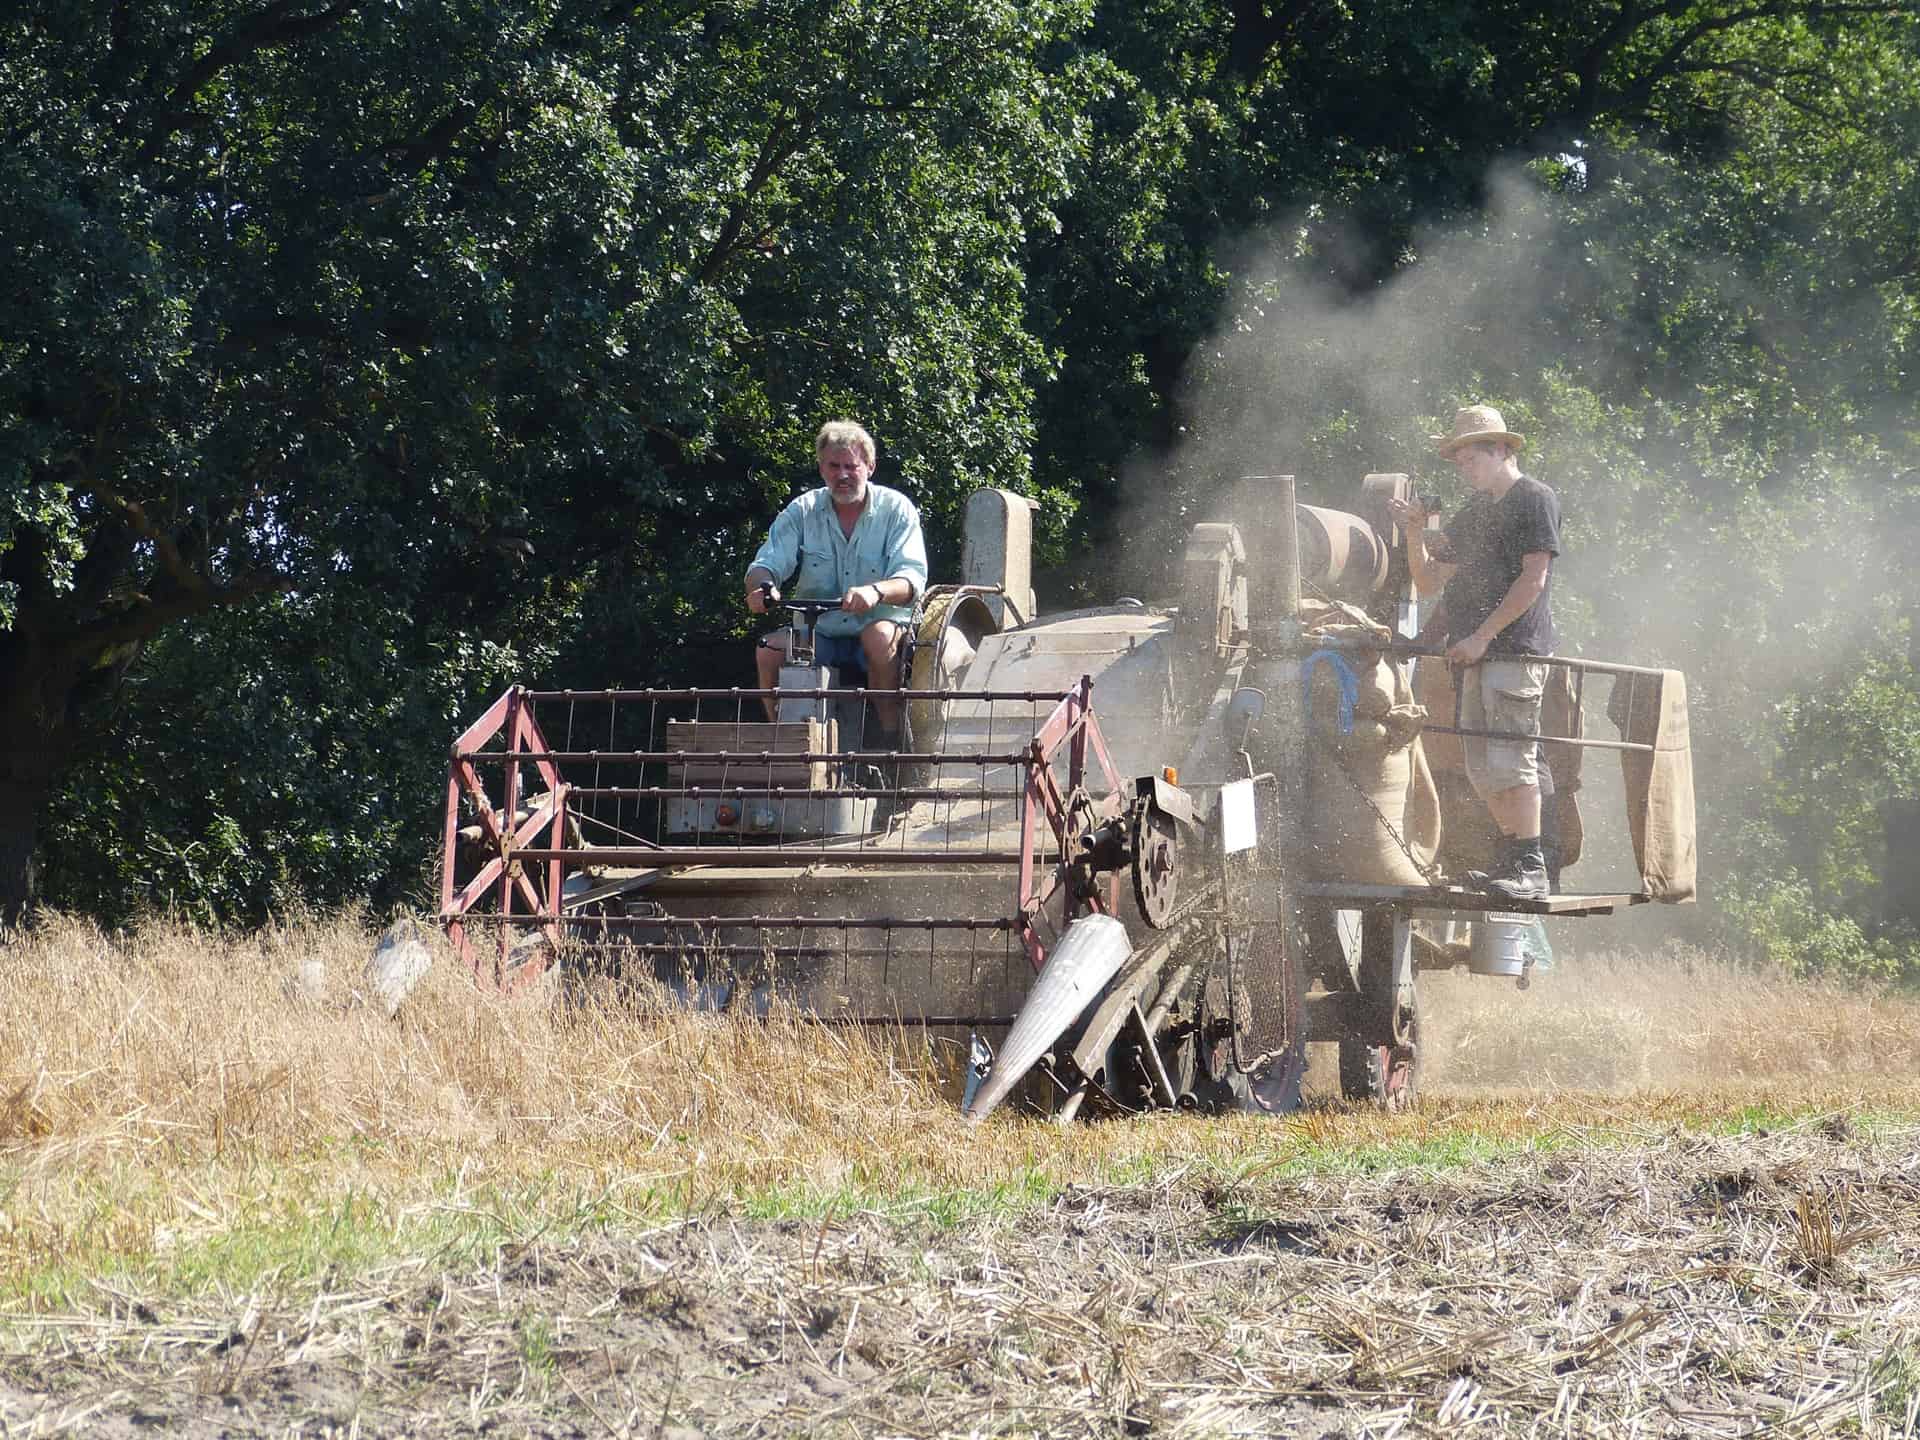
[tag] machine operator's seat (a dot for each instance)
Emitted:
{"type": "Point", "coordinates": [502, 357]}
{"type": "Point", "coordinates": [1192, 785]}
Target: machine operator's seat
{"type": "Point", "coordinates": [845, 656]}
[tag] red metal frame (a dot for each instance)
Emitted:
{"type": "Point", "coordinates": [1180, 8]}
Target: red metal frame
{"type": "Point", "coordinates": [505, 872]}
{"type": "Point", "coordinates": [519, 855]}
{"type": "Point", "coordinates": [1073, 724]}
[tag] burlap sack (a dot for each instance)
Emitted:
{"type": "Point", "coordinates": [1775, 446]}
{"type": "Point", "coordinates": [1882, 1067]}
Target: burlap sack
{"type": "Point", "coordinates": [1433, 688]}
{"type": "Point", "coordinates": [1652, 710]}
{"type": "Point", "coordinates": [1369, 786]}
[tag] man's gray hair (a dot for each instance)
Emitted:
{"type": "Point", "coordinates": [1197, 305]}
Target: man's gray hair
{"type": "Point", "coordinates": [844, 435]}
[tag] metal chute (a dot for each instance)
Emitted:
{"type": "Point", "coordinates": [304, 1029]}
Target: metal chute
{"type": "Point", "coordinates": [1088, 956]}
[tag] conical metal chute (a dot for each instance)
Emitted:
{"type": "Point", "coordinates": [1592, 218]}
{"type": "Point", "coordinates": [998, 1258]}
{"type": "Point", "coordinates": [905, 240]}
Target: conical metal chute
{"type": "Point", "coordinates": [1088, 956]}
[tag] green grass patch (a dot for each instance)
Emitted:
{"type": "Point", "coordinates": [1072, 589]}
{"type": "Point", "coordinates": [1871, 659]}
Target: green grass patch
{"type": "Point", "coordinates": [73, 1236]}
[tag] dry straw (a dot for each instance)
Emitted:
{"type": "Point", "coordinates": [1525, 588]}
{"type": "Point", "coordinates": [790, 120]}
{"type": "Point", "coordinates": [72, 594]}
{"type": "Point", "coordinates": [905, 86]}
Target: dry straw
{"type": "Point", "coordinates": [1677, 1021]}
{"type": "Point", "coordinates": [168, 1094]}
{"type": "Point", "coordinates": [178, 1039]}
{"type": "Point", "coordinates": [172, 1043]}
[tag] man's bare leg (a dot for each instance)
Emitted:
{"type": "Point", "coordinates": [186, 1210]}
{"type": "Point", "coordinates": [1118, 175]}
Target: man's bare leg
{"type": "Point", "coordinates": [1516, 810]}
{"type": "Point", "coordinates": [880, 643]}
{"type": "Point", "coordinates": [768, 656]}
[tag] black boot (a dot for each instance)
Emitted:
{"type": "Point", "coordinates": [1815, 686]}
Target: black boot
{"type": "Point", "coordinates": [1503, 867]}
{"type": "Point", "coordinates": [1526, 873]}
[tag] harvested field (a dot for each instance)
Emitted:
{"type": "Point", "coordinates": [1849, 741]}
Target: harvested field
{"type": "Point", "coordinates": [1649, 1196]}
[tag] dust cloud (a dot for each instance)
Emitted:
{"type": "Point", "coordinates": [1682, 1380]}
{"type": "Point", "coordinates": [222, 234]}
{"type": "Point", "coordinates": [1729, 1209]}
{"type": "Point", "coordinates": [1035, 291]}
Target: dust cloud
{"type": "Point", "coordinates": [1758, 576]}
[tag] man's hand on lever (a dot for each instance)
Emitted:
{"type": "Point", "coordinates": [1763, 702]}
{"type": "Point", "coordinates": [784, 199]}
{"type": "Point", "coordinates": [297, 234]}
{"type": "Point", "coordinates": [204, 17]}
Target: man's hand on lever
{"type": "Point", "coordinates": [1468, 650]}
{"type": "Point", "coordinates": [859, 599]}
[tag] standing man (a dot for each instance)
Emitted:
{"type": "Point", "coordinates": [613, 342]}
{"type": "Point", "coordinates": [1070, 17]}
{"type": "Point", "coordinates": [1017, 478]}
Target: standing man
{"type": "Point", "coordinates": [856, 541]}
{"type": "Point", "coordinates": [1495, 560]}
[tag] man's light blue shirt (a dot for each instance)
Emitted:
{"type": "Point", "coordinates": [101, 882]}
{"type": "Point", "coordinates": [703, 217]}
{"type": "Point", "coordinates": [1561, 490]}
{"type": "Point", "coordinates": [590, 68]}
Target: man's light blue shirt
{"type": "Point", "coordinates": [886, 544]}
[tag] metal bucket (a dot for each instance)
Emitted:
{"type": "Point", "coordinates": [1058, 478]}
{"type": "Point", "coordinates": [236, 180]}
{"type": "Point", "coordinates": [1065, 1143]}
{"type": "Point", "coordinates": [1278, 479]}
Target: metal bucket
{"type": "Point", "coordinates": [1505, 944]}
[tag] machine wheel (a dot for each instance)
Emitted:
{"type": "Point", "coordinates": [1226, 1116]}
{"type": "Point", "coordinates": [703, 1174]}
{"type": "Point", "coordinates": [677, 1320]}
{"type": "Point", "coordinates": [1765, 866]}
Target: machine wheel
{"type": "Point", "coordinates": [1187, 1069]}
{"type": "Point", "coordinates": [1198, 1053]}
{"type": "Point", "coordinates": [1201, 1065]}
{"type": "Point", "coordinates": [1156, 866]}
{"type": "Point", "coordinates": [1384, 1075]}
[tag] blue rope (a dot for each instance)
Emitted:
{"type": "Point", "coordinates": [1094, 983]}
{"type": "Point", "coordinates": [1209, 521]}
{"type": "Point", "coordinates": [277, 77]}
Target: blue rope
{"type": "Point", "coordinates": [1343, 672]}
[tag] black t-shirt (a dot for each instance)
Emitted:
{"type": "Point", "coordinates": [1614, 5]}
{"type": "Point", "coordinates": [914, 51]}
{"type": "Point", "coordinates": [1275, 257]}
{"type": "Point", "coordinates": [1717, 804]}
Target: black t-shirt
{"type": "Point", "coordinates": [1490, 538]}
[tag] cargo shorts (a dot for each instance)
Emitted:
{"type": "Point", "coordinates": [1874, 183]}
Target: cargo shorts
{"type": "Point", "coordinates": [1502, 695]}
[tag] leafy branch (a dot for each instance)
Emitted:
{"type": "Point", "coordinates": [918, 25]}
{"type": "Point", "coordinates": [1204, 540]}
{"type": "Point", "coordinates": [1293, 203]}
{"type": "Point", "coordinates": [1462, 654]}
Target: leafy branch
{"type": "Point", "coordinates": [279, 25]}
{"type": "Point", "coordinates": [785, 140]}
{"type": "Point", "coordinates": [1593, 99]}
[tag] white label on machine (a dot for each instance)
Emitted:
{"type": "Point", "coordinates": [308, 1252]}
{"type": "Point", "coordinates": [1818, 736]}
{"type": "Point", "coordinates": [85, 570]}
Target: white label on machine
{"type": "Point", "coordinates": [1237, 828]}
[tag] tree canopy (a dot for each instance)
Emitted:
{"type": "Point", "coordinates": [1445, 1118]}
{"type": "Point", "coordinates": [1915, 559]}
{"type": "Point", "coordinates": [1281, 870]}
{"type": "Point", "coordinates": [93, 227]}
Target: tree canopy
{"type": "Point", "coordinates": [359, 357]}
{"type": "Point", "coordinates": [474, 339]}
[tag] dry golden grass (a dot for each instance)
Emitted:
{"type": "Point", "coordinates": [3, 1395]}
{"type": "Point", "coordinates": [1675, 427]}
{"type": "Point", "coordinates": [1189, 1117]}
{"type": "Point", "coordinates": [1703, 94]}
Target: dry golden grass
{"type": "Point", "coordinates": [1614, 1216]}
{"type": "Point", "coordinates": [128, 1062]}
{"type": "Point", "coordinates": [1675, 1022]}
{"type": "Point", "coordinates": [176, 1042]}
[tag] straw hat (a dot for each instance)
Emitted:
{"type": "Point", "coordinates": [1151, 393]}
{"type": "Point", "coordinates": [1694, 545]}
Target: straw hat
{"type": "Point", "coordinates": [1477, 422]}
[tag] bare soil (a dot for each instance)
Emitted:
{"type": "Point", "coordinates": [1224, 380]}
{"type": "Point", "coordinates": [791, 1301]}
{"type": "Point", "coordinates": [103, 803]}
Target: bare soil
{"type": "Point", "coordinates": [1680, 1285]}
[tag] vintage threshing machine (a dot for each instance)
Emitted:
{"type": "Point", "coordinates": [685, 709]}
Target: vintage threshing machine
{"type": "Point", "coordinates": [1134, 855]}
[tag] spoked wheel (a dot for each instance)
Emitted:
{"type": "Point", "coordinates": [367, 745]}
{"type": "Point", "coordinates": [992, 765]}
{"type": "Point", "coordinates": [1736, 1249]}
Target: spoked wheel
{"type": "Point", "coordinates": [1200, 1058]}
{"type": "Point", "coordinates": [1384, 1074]}
{"type": "Point", "coordinates": [1197, 1049]}
{"type": "Point", "coordinates": [1217, 1049]}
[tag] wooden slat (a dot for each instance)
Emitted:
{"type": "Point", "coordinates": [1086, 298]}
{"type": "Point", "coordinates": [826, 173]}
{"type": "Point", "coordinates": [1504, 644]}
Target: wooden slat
{"type": "Point", "coordinates": [799, 737]}
{"type": "Point", "coordinates": [1424, 897]}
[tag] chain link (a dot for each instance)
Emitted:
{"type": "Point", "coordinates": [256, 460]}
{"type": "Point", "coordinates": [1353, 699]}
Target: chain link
{"type": "Point", "coordinates": [1433, 874]}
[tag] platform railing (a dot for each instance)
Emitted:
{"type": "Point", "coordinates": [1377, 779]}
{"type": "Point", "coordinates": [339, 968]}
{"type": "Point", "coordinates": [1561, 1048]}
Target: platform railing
{"type": "Point", "coordinates": [1409, 650]}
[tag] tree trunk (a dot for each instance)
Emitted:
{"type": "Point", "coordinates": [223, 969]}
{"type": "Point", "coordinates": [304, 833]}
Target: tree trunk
{"type": "Point", "coordinates": [20, 805]}
{"type": "Point", "coordinates": [35, 732]}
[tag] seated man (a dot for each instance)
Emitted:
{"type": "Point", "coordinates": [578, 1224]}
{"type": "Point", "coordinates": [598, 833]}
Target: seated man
{"type": "Point", "coordinates": [854, 541]}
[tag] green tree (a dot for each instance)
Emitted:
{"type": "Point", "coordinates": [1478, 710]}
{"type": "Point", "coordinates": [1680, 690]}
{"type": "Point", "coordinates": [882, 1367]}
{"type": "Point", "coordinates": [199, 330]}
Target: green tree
{"type": "Point", "coordinates": [403, 350]}
{"type": "Point", "coordinates": [500, 322]}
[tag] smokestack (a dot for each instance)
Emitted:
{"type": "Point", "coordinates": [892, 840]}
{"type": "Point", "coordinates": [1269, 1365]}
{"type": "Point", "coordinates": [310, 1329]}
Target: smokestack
{"type": "Point", "coordinates": [1268, 521]}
